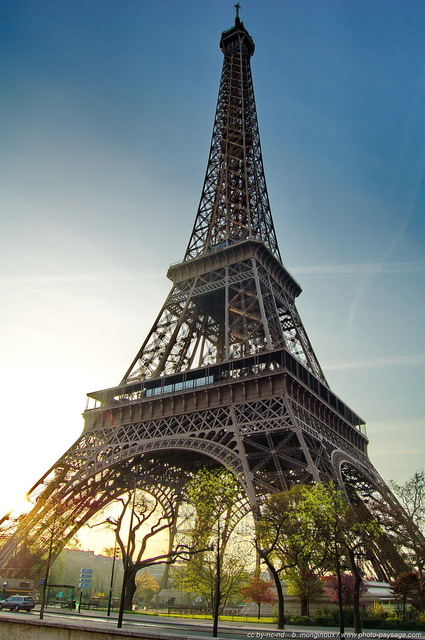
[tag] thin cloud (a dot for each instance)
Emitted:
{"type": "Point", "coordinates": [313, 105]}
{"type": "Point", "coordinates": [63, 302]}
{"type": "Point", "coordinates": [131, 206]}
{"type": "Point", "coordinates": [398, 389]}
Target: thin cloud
{"type": "Point", "coordinates": [318, 271]}
{"type": "Point", "coordinates": [399, 361]}
{"type": "Point", "coordinates": [82, 281]}
{"type": "Point", "coordinates": [359, 270]}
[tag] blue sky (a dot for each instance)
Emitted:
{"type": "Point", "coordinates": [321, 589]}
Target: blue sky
{"type": "Point", "coordinates": [106, 117]}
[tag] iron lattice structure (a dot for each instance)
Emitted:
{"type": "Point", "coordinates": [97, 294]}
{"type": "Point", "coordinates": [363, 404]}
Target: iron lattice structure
{"type": "Point", "coordinates": [227, 372]}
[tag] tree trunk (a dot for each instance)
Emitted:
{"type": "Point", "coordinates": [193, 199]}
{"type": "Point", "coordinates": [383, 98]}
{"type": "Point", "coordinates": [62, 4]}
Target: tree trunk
{"type": "Point", "coordinates": [130, 589]}
{"type": "Point", "coordinates": [259, 610]}
{"type": "Point", "coordinates": [340, 603]}
{"type": "Point", "coordinates": [304, 606]}
{"type": "Point", "coordinates": [171, 539]}
{"type": "Point", "coordinates": [278, 585]}
{"type": "Point", "coordinates": [356, 595]}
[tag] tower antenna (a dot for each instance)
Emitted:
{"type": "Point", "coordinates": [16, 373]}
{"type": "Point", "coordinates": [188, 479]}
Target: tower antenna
{"type": "Point", "coordinates": [237, 7]}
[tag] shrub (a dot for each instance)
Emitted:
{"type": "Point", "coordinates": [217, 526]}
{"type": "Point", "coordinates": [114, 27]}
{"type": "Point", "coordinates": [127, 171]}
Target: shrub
{"type": "Point", "coordinates": [376, 612]}
{"type": "Point", "coordinates": [302, 620]}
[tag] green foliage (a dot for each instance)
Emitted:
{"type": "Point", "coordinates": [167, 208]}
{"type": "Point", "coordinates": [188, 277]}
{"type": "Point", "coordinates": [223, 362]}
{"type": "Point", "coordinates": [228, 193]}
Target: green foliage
{"type": "Point", "coordinates": [303, 582]}
{"type": "Point", "coordinates": [300, 620]}
{"type": "Point", "coordinates": [287, 532]}
{"type": "Point", "coordinates": [214, 573]}
{"type": "Point", "coordinates": [198, 577]}
{"type": "Point", "coordinates": [214, 495]}
{"type": "Point", "coordinates": [376, 611]}
{"type": "Point", "coordinates": [313, 529]}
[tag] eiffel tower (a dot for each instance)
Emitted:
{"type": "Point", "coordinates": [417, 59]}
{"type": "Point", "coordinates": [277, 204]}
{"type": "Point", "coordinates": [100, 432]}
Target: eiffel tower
{"type": "Point", "coordinates": [227, 373]}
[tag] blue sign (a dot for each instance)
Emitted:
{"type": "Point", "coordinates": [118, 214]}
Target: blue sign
{"type": "Point", "coordinates": [42, 581]}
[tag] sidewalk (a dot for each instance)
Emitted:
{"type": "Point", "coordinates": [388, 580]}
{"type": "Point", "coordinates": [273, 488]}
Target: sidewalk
{"type": "Point", "coordinates": [154, 624]}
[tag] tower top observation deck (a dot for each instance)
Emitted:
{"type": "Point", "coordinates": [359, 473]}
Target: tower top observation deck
{"type": "Point", "coordinates": [237, 34]}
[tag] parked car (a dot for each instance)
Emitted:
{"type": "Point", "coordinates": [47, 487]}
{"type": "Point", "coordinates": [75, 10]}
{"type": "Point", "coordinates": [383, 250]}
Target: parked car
{"type": "Point", "coordinates": [15, 603]}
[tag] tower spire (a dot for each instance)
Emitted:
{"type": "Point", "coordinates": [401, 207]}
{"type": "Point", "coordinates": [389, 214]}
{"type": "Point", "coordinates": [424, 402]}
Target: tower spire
{"type": "Point", "coordinates": [237, 7]}
{"type": "Point", "coordinates": [234, 204]}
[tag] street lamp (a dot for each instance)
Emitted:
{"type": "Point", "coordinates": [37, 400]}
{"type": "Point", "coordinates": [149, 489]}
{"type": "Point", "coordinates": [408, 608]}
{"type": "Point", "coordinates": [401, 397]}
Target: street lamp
{"type": "Point", "coordinates": [126, 559]}
{"type": "Point", "coordinates": [111, 586]}
{"type": "Point", "coordinates": [46, 575]}
{"type": "Point", "coordinates": [3, 595]}
{"type": "Point", "coordinates": [217, 583]}
{"type": "Point", "coordinates": [58, 509]}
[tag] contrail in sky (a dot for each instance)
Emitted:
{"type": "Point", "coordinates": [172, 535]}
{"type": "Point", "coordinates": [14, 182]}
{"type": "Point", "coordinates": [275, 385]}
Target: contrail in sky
{"type": "Point", "coordinates": [363, 269]}
{"type": "Point", "coordinates": [408, 360]}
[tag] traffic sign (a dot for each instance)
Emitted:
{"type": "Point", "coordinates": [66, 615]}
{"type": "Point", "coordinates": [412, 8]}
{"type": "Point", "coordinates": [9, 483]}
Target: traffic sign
{"type": "Point", "coordinates": [42, 581]}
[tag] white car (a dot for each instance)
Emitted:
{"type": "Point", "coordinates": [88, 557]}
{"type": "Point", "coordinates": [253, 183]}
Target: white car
{"type": "Point", "coordinates": [15, 603]}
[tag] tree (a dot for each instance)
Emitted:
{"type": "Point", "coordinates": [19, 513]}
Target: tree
{"type": "Point", "coordinates": [315, 528]}
{"type": "Point", "coordinates": [288, 538]}
{"type": "Point", "coordinates": [216, 497]}
{"type": "Point", "coordinates": [347, 588]}
{"type": "Point", "coordinates": [147, 512]}
{"type": "Point", "coordinates": [258, 591]}
{"type": "Point", "coordinates": [305, 583]}
{"type": "Point", "coordinates": [409, 586]}
{"type": "Point", "coordinates": [347, 530]}
{"type": "Point", "coordinates": [50, 526]}
{"type": "Point", "coordinates": [408, 525]}
{"type": "Point", "coordinates": [146, 587]}
{"type": "Point", "coordinates": [199, 575]}
{"type": "Point", "coordinates": [74, 543]}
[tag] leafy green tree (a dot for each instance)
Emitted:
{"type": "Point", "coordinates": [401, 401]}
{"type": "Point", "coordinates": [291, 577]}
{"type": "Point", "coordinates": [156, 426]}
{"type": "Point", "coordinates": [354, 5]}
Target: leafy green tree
{"type": "Point", "coordinates": [198, 577]}
{"type": "Point", "coordinates": [258, 591]}
{"type": "Point", "coordinates": [287, 538]}
{"type": "Point", "coordinates": [347, 530]}
{"type": "Point", "coordinates": [305, 583]}
{"type": "Point", "coordinates": [313, 526]}
{"type": "Point", "coordinates": [215, 495]}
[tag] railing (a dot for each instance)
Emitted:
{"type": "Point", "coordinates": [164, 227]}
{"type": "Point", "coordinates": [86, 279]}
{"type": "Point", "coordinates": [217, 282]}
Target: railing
{"type": "Point", "coordinates": [256, 365]}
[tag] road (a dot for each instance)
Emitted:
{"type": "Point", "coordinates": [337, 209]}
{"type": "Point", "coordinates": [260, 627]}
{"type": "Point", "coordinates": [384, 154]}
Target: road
{"type": "Point", "coordinates": [202, 628]}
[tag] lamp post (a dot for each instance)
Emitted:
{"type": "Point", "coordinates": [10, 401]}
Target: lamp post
{"type": "Point", "coordinates": [217, 583]}
{"type": "Point", "coordinates": [58, 507]}
{"type": "Point", "coordinates": [46, 575]}
{"type": "Point", "coordinates": [3, 595]}
{"type": "Point", "coordinates": [111, 586]}
{"type": "Point", "coordinates": [126, 560]}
